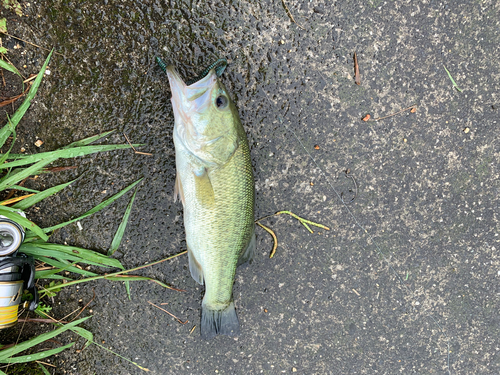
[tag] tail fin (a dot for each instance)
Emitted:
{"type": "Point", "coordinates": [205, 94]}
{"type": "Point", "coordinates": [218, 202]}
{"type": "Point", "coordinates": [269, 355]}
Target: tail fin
{"type": "Point", "coordinates": [219, 322]}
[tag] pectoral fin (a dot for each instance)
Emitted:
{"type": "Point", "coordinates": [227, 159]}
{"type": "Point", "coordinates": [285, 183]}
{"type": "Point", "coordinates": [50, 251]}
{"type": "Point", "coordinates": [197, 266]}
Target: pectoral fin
{"type": "Point", "coordinates": [203, 188]}
{"type": "Point", "coordinates": [178, 189]}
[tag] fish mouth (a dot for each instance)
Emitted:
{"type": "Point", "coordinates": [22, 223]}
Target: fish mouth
{"type": "Point", "coordinates": [190, 103]}
{"type": "Point", "coordinates": [177, 85]}
{"type": "Point", "coordinates": [193, 97]}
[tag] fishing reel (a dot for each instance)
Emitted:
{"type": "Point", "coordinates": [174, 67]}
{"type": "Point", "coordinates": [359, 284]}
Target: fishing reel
{"type": "Point", "coordinates": [17, 273]}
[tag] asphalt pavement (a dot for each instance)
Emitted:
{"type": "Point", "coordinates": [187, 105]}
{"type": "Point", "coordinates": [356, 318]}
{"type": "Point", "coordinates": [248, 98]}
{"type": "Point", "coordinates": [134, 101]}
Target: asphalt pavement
{"type": "Point", "coordinates": [407, 279]}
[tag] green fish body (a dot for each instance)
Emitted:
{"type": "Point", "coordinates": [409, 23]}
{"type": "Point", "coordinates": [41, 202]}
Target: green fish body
{"type": "Point", "coordinates": [215, 184]}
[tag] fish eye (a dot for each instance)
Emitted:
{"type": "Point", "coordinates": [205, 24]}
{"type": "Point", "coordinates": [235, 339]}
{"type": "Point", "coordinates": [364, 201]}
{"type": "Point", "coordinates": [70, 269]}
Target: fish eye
{"type": "Point", "coordinates": [221, 102]}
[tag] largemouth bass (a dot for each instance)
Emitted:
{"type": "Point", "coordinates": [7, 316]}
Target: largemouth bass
{"type": "Point", "coordinates": [216, 187]}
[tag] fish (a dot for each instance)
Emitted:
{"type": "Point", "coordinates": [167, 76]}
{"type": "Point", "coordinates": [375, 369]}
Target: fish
{"type": "Point", "coordinates": [215, 183]}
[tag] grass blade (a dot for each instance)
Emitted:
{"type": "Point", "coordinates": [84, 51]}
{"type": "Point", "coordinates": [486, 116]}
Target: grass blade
{"type": "Point", "coordinates": [87, 141]}
{"type": "Point", "coordinates": [58, 287]}
{"type": "Point", "coordinates": [45, 371]}
{"type": "Point", "coordinates": [5, 132]}
{"type": "Point", "coordinates": [64, 154]}
{"type": "Point", "coordinates": [17, 187]}
{"type": "Point", "coordinates": [37, 253]}
{"type": "Point", "coordinates": [12, 179]}
{"type": "Point", "coordinates": [28, 202]}
{"type": "Point", "coordinates": [127, 288]}
{"type": "Point", "coordinates": [50, 275]}
{"type": "Point", "coordinates": [117, 239]}
{"type": "Point", "coordinates": [452, 80]}
{"type": "Point", "coordinates": [18, 115]}
{"type": "Point", "coordinates": [63, 265]}
{"type": "Point", "coordinates": [121, 229]}
{"type": "Point", "coordinates": [86, 334]}
{"type": "Point", "coordinates": [10, 68]}
{"type": "Point", "coordinates": [122, 357]}
{"type": "Point", "coordinates": [85, 254]}
{"type": "Point", "coordinates": [136, 278]}
{"type": "Point", "coordinates": [71, 253]}
{"type": "Point", "coordinates": [129, 278]}
{"type": "Point", "coordinates": [12, 214]}
{"type": "Point", "coordinates": [37, 356]}
{"type": "Point", "coordinates": [100, 206]}
{"type": "Point", "coordinates": [7, 353]}
{"type": "Point", "coordinates": [13, 131]}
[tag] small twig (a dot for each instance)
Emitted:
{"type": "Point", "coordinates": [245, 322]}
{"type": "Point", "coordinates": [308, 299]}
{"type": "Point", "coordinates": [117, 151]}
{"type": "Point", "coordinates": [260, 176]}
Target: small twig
{"type": "Point", "coordinates": [13, 99]}
{"type": "Point", "coordinates": [412, 109]}
{"type": "Point", "coordinates": [3, 78]}
{"type": "Point", "coordinates": [59, 169]}
{"type": "Point", "coordinates": [133, 148]}
{"type": "Point", "coordinates": [55, 341]}
{"type": "Point", "coordinates": [290, 15]}
{"type": "Point", "coordinates": [51, 319]}
{"type": "Point", "coordinates": [172, 315]}
{"type": "Point", "coordinates": [149, 279]}
{"type": "Point", "coordinates": [355, 291]}
{"type": "Point", "coordinates": [9, 345]}
{"type": "Point", "coordinates": [271, 232]}
{"type": "Point", "coordinates": [357, 76]}
{"type": "Point", "coordinates": [45, 363]}
{"type": "Point", "coordinates": [45, 268]}
{"type": "Point", "coordinates": [33, 44]}
{"type": "Point", "coordinates": [13, 191]}
{"type": "Point", "coordinates": [30, 78]}
{"type": "Point", "coordinates": [192, 329]}
{"type": "Point", "coordinates": [169, 287]}
{"type": "Point", "coordinates": [40, 320]}
{"type": "Point", "coordinates": [15, 200]}
{"type": "Point", "coordinates": [119, 273]}
{"type": "Point", "coordinates": [84, 307]}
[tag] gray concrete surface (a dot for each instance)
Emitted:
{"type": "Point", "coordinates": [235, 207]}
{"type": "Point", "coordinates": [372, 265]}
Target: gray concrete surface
{"type": "Point", "coordinates": [407, 279]}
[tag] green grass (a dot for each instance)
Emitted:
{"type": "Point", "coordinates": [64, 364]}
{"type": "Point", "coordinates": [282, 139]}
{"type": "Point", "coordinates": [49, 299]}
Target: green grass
{"type": "Point", "coordinates": [13, 169]}
{"type": "Point", "coordinates": [452, 80]}
{"type": "Point", "coordinates": [13, 5]}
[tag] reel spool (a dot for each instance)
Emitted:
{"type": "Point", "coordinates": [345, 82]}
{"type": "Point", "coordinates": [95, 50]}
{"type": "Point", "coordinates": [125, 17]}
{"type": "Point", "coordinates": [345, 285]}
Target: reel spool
{"type": "Point", "coordinates": [17, 272]}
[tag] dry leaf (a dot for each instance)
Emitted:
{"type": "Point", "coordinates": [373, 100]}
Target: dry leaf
{"type": "Point", "coordinates": [357, 76]}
